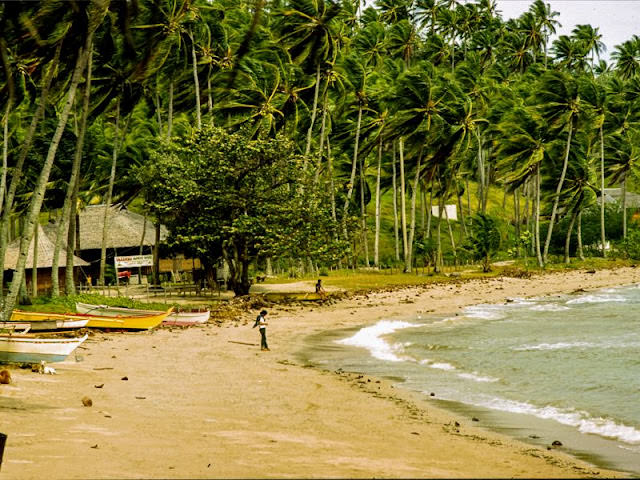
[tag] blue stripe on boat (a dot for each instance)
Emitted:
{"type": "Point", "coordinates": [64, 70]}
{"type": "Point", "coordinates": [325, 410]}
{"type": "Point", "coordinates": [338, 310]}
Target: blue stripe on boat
{"type": "Point", "coordinates": [18, 357]}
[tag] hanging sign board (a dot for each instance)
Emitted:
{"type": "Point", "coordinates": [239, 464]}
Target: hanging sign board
{"type": "Point", "coordinates": [134, 261]}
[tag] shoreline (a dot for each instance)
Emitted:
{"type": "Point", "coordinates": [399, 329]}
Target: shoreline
{"type": "Point", "coordinates": [204, 402]}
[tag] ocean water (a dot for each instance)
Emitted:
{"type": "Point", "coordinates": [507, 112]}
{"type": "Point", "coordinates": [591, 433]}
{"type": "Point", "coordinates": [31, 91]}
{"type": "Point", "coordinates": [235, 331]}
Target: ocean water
{"type": "Point", "coordinates": [565, 367]}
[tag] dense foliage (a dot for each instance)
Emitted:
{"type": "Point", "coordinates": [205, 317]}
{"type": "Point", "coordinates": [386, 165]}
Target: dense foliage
{"type": "Point", "coordinates": [416, 104]}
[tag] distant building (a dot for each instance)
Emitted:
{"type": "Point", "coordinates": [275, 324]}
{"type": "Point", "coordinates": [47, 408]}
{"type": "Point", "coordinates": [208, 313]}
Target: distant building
{"type": "Point", "coordinates": [451, 211]}
{"type": "Point", "coordinates": [46, 246]}
{"type": "Point", "coordinates": [614, 195]}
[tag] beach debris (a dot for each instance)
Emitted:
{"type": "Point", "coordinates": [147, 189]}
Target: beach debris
{"type": "Point", "coordinates": [5, 377]}
{"type": "Point", "coordinates": [87, 402]}
{"type": "Point", "coordinates": [475, 419]}
{"type": "Point", "coordinates": [46, 370]}
{"type": "Point", "coordinates": [556, 443]}
{"type": "Point", "coordinates": [99, 386]}
{"type": "Point", "coordinates": [125, 378]}
{"type": "Point", "coordinates": [140, 398]}
{"type": "Point", "coordinates": [456, 424]}
{"type": "Point", "coordinates": [534, 436]}
{"type": "Point", "coordinates": [94, 446]}
{"type": "Point", "coordinates": [415, 433]}
{"type": "Point", "coordinates": [590, 271]}
{"type": "Point", "coordinates": [432, 394]}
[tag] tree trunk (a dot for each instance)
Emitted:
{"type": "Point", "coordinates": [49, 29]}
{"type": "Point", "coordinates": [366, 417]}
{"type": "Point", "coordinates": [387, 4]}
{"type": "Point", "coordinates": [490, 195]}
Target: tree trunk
{"type": "Point", "coordinates": [537, 219]}
{"type": "Point", "coordinates": [156, 256]}
{"type": "Point", "coordinates": [556, 200]}
{"type": "Point", "coordinates": [438, 265]}
{"type": "Point", "coordinates": [158, 112]}
{"type": "Point", "coordinates": [395, 207]}
{"type": "Point", "coordinates": [5, 152]}
{"type": "Point", "coordinates": [603, 237]}
{"type": "Point", "coordinates": [196, 82]}
{"type": "Point", "coordinates": [516, 211]}
{"type": "Point", "coordinates": [323, 128]}
{"type": "Point", "coordinates": [376, 243]}
{"type": "Point", "coordinates": [70, 287]}
{"type": "Point", "coordinates": [209, 97]}
{"type": "Point", "coordinates": [403, 207]}
{"type": "Point", "coordinates": [352, 178]}
{"type": "Point", "coordinates": [313, 115]}
{"type": "Point", "coordinates": [463, 230]}
{"type": "Point", "coordinates": [331, 184]}
{"type": "Point", "coordinates": [481, 175]}
{"type": "Point", "coordinates": [75, 171]}
{"type": "Point", "coordinates": [34, 269]}
{"type": "Point", "coordinates": [39, 191]}
{"type": "Point", "coordinates": [429, 211]}
{"type": "Point", "coordinates": [415, 193]}
{"type": "Point", "coordinates": [624, 207]}
{"type": "Point", "coordinates": [24, 151]}
{"type": "Point", "coordinates": [107, 203]}
{"type": "Point", "coordinates": [363, 214]}
{"type": "Point", "coordinates": [567, 242]}
{"type": "Point", "coordinates": [141, 250]}
{"type": "Point", "coordinates": [453, 243]}
{"type": "Point", "coordinates": [170, 112]}
{"type": "Point", "coordinates": [580, 251]}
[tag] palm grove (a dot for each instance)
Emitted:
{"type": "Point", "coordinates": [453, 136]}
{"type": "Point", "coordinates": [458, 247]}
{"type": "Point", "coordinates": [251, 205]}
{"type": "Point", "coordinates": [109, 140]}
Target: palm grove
{"type": "Point", "coordinates": [305, 132]}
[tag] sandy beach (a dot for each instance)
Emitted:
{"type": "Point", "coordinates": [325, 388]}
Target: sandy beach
{"type": "Point", "coordinates": [205, 402]}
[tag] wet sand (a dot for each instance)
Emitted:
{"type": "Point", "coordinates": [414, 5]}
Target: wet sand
{"type": "Point", "coordinates": [205, 402]}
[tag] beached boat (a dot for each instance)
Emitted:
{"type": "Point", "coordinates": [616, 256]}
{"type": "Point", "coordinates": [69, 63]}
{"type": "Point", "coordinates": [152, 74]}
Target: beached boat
{"type": "Point", "coordinates": [26, 348]}
{"type": "Point", "coordinates": [130, 322]}
{"type": "Point", "coordinates": [51, 324]}
{"type": "Point", "coordinates": [176, 318]}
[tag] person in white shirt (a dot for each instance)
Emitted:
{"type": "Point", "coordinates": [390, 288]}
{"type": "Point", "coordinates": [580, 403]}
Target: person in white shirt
{"type": "Point", "coordinates": [261, 323]}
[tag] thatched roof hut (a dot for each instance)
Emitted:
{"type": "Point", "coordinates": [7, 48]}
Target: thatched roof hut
{"type": "Point", "coordinates": [45, 253]}
{"type": "Point", "coordinates": [125, 228]}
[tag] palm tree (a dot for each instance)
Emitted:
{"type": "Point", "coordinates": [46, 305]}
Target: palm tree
{"type": "Point", "coordinates": [594, 93]}
{"type": "Point", "coordinates": [591, 40]}
{"type": "Point", "coordinates": [308, 32]}
{"type": "Point", "coordinates": [546, 19]}
{"type": "Point", "coordinates": [627, 58]}
{"type": "Point", "coordinates": [559, 104]}
{"type": "Point", "coordinates": [95, 13]}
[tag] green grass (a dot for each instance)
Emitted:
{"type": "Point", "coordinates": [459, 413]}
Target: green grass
{"type": "Point", "coordinates": [66, 304]}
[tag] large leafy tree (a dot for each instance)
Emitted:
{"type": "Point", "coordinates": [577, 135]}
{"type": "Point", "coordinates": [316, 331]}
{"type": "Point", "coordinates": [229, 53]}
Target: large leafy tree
{"type": "Point", "coordinates": [227, 196]}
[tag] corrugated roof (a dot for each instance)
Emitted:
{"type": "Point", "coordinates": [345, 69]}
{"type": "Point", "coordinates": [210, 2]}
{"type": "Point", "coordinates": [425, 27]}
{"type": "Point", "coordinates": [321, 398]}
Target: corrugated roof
{"type": "Point", "coordinates": [45, 253]}
{"type": "Point", "coordinates": [124, 228]}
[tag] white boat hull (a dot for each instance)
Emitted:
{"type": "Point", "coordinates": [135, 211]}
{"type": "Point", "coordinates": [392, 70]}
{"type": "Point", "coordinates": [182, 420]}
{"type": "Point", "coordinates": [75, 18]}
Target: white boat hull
{"type": "Point", "coordinates": [176, 318]}
{"type": "Point", "coordinates": [29, 349]}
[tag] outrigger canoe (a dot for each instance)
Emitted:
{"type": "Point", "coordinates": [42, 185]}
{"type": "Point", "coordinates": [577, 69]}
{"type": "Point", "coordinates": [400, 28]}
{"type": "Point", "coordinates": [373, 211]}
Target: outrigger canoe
{"type": "Point", "coordinates": [132, 322]}
{"type": "Point", "coordinates": [52, 324]}
{"type": "Point", "coordinates": [176, 318]}
{"type": "Point", "coordinates": [27, 348]}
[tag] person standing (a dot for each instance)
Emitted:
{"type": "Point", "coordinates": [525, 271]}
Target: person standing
{"type": "Point", "coordinates": [261, 323]}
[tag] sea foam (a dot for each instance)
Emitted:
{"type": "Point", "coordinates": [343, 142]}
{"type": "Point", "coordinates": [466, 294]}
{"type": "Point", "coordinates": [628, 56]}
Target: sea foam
{"type": "Point", "coordinates": [555, 346]}
{"type": "Point", "coordinates": [579, 419]}
{"type": "Point", "coordinates": [597, 299]}
{"type": "Point", "coordinates": [370, 338]}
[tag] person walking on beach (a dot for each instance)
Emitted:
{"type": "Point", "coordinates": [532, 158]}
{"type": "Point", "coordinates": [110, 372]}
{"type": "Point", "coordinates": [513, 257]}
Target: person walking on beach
{"type": "Point", "coordinates": [261, 323]}
{"type": "Point", "coordinates": [320, 290]}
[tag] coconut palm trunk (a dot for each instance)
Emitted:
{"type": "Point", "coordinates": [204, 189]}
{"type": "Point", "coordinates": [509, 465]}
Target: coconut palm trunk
{"type": "Point", "coordinates": [403, 207]}
{"type": "Point", "coordinates": [75, 171]}
{"type": "Point", "coordinates": [34, 266]}
{"type": "Point", "coordinates": [363, 214]}
{"type": "Point", "coordinates": [580, 250]}
{"type": "Point", "coordinates": [196, 82]}
{"type": "Point", "coordinates": [537, 219]}
{"type": "Point", "coordinates": [352, 178]}
{"type": "Point", "coordinates": [24, 151]}
{"type": "Point", "coordinates": [39, 191]}
{"type": "Point", "coordinates": [567, 242]}
{"type": "Point", "coordinates": [396, 235]}
{"type": "Point", "coordinates": [603, 237]}
{"type": "Point", "coordinates": [107, 202]}
{"type": "Point", "coordinates": [451, 239]}
{"type": "Point", "coordinates": [314, 111]}
{"type": "Point", "coordinates": [376, 242]}
{"type": "Point", "coordinates": [409, 258]}
{"type": "Point", "coordinates": [556, 200]}
{"type": "Point", "coordinates": [624, 207]}
{"type": "Point", "coordinates": [332, 193]}
{"type": "Point", "coordinates": [170, 111]}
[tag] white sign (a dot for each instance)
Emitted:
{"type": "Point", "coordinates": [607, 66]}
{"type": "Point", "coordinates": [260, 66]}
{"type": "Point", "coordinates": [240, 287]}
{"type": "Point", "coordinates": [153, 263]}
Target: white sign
{"type": "Point", "coordinates": [134, 261]}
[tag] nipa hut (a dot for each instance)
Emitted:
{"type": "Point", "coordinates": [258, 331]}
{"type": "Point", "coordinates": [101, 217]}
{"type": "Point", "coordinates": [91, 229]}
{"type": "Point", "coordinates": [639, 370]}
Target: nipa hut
{"type": "Point", "coordinates": [44, 252]}
{"type": "Point", "coordinates": [127, 232]}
